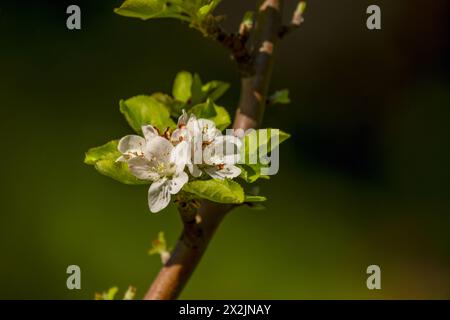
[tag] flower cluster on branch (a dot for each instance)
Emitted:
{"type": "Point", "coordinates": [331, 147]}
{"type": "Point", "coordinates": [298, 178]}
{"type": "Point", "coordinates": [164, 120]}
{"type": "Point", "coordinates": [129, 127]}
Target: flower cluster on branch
{"type": "Point", "coordinates": [190, 158]}
{"type": "Point", "coordinates": [161, 158]}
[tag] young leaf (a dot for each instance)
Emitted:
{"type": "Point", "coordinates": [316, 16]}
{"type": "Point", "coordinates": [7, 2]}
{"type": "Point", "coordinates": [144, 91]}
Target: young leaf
{"type": "Point", "coordinates": [118, 171]}
{"type": "Point", "coordinates": [103, 158]}
{"type": "Point", "coordinates": [107, 295]}
{"type": "Point", "coordinates": [251, 172]}
{"type": "Point", "coordinates": [254, 142]}
{"type": "Point", "coordinates": [111, 294]}
{"type": "Point", "coordinates": [189, 88]}
{"type": "Point", "coordinates": [206, 9]}
{"type": "Point", "coordinates": [175, 106]}
{"type": "Point", "coordinates": [197, 95]}
{"type": "Point", "coordinates": [159, 246]}
{"type": "Point", "coordinates": [270, 142]}
{"type": "Point", "coordinates": [204, 110]}
{"type": "Point", "coordinates": [215, 89]}
{"type": "Point", "coordinates": [182, 84]}
{"type": "Point", "coordinates": [280, 97]}
{"type": "Point", "coordinates": [149, 9]}
{"type": "Point", "coordinates": [104, 152]}
{"type": "Point", "coordinates": [222, 119]}
{"type": "Point", "coordinates": [250, 198]}
{"type": "Point", "coordinates": [130, 293]}
{"type": "Point", "coordinates": [247, 22]}
{"type": "Point", "coordinates": [143, 110]}
{"type": "Point", "coordinates": [209, 110]}
{"type": "Point", "coordinates": [221, 191]}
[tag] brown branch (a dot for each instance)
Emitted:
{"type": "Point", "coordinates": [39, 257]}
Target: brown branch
{"type": "Point", "coordinates": [187, 253]}
{"type": "Point", "coordinates": [199, 226]}
{"type": "Point", "coordinates": [236, 44]}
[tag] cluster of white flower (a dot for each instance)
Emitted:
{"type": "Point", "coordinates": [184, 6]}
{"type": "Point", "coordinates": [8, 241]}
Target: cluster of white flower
{"type": "Point", "coordinates": [196, 145]}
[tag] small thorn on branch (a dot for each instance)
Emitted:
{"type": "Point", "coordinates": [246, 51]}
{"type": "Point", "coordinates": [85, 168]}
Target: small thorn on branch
{"type": "Point", "coordinates": [296, 21]}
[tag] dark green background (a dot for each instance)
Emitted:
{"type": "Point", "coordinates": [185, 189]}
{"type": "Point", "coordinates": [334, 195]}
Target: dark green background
{"type": "Point", "coordinates": [363, 180]}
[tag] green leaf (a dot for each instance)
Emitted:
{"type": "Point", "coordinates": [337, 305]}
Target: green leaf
{"type": "Point", "coordinates": [248, 19]}
{"type": "Point", "coordinates": [149, 9]}
{"type": "Point", "coordinates": [103, 158]}
{"type": "Point", "coordinates": [130, 293]}
{"type": "Point", "coordinates": [104, 152]}
{"type": "Point", "coordinates": [111, 293]}
{"type": "Point", "coordinates": [159, 245]}
{"type": "Point", "coordinates": [250, 198]}
{"type": "Point", "coordinates": [204, 110]}
{"type": "Point", "coordinates": [209, 110]}
{"type": "Point", "coordinates": [254, 145]}
{"type": "Point", "coordinates": [257, 141]}
{"type": "Point", "coordinates": [301, 7]}
{"type": "Point", "coordinates": [108, 295]}
{"type": "Point", "coordinates": [255, 202]}
{"type": "Point", "coordinates": [215, 89]}
{"type": "Point", "coordinates": [221, 191]}
{"type": "Point", "coordinates": [189, 88]}
{"type": "Point", "coordinates": [182, 84]}
{"type": "Point", "coordinates": [208, 8]}
{"type": "Point", "coordinates": [197, 95]}
{"type": "Point", "coordinates": [118, 171]}
{"type": "Point", "coordinates": [251, 172]}
{"type": "Point", "coordinates": [144, 110]}
{"type": "Point", "coordinates": [280, 97]}
{"type": "Point", "coordinates": [175, 106]}
{"type": "Point", "coordinates": [222, 119]}
{"type": "Point", "coordinates": [196, 12]}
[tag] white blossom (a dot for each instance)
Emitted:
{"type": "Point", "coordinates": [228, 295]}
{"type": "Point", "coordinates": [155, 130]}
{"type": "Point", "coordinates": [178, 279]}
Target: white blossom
{"type": "Point", "coordinates": [163, 164]}
{"type": "Point", "coordinates": [133, 146]}
{"type": "Point", "coordinates": [221, 155]}
{"type": "Point", "coordinates": [196, 144]}
{"type": "Point", "coordinates": [211, 152]}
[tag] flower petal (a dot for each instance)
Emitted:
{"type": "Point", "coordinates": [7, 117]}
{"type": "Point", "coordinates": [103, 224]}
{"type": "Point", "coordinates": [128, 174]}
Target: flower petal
{"type": "Point", "coordinates": [192, 121]}
{"type": "Point", "coordinates": [223, 150]}
{"type": "Point", "coordinates": [122, 159]}
{"type": "Point", "coordinates": [180, 155]}
{"type": "Point", "coordinates": [183, 119]}
{"type": "Point", "coordinates": [149, 132]}
{"type": "Point", "coordinates": [143, 169]}
{"type": "Point", "coordinates": [193, 127]}
{"type": "Point", "coordinates": [177, 182]}
{"type": "Point", "coordinates": [179, 135]}
{"type": "Point", "coordinates": [159, 148]}
{"type": "Point", "coordinates": [158, 195]}
{"type": "Point", "coordinates": [208, 129]}
{"type": "Point", "coordinates": [228, 171]}
{"type": "Point", "coordinates": [233, 147]}
{"type": "Point", "coordinates": [131, 143]}
{"type": "Point", "coordinates": [194, 170]}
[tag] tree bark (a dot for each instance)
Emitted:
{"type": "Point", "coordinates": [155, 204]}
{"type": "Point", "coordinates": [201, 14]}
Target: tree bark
{"type": "Point", "coordinates": [199, 229]}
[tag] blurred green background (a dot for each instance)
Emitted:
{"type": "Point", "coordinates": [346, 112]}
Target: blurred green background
{"type": "Point", "coordinates": [364, 179]}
